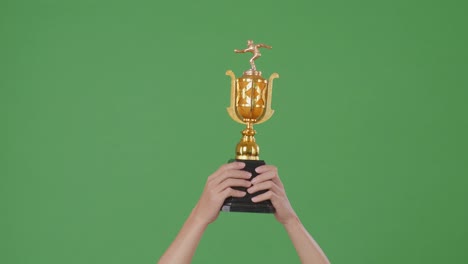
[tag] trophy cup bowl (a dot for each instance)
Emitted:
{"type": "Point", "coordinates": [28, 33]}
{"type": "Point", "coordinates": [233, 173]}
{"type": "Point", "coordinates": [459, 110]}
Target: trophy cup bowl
{"type": "Point", "coordinates": [251, 93]}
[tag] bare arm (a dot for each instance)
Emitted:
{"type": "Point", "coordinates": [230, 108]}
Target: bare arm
{"type": "Point", "coordinates": [184, 245]}
{"type": "Point", "coordinates": [308, 250]}
{"type": "Point", "coordinates": [217, 189]}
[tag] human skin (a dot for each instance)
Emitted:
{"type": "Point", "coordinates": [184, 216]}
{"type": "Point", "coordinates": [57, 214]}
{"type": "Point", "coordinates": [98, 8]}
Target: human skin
{"type": "Point", "coordinates": [219, 187]}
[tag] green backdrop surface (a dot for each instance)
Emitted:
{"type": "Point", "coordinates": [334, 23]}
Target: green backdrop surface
{"type": "Point", "coordinates": [113, 115]}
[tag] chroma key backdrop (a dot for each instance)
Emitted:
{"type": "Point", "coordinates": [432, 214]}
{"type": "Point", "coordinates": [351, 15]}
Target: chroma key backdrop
{"type": "Point", "coordinates": [113, 114]}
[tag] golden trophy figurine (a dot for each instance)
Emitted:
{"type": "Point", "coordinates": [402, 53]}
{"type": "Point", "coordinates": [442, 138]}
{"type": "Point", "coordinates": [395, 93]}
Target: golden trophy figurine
{"type": "Point", "coordinates": [250, 104]}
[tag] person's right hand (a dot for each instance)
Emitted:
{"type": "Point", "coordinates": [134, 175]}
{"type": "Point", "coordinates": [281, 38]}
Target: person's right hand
{"type": "Point", "coordinates": [269, 181]}
{"type": "Point", "coordinates": [219, 187]}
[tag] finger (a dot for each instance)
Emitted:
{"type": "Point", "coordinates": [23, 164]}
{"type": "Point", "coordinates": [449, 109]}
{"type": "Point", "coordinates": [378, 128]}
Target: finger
{"type": "Point", "coordinates": [229, 192]}
{"type": "Point", "coordinates": [232, 174]}
{"type": "Point", "coordinates": [267, 185]}
{"type": "Point", "coordinates": [270, 175]}
{"type": "Point", "coordinates": [265, 168]}
{"type": "Point", "coordinates": [233, 183]}
{"type": "Point", "coordinates": [236, 165]}
{"type": "Point", "coordinates": [264, 196]}
{"type": "Point", "coordinates": [265, 176]}
{"type": "Point", "coordinates": [225, 167]}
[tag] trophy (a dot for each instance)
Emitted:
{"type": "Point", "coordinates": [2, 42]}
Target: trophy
{"type": "Point", "coordinates": [250, 104]}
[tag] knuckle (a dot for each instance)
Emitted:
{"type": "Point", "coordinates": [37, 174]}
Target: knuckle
{"type": "Point", "coordinates": [223, 185]}
{"type": "Point", "coordinates": [222, 167]}
{"type": "Point", "coordinates": [274, 169]}
{"type": "Point", "coordinates": [222, 195]}
{"type": "Point", "coordinates": [224, 174]}
{"type": "Point", "coordinates": [221, 170]}
{"type": "Point", "coordinates": [276, 188]}
{"type": "Point", "coordinates": [259, 178]}
{"type": "Point", "coordinates": [230, 192]}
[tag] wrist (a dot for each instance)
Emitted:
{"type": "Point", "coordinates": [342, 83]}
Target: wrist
{"type": "Point", "coordinates": [198, 220]}
{"type": "Point", "coordinates": [292, 222]}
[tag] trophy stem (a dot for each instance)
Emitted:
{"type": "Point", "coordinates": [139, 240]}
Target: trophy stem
{"type": "Point", "coordinates": [247, 148]}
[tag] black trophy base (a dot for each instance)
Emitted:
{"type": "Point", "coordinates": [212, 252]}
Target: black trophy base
{"type": "Point", "coordinates": [245, 204]}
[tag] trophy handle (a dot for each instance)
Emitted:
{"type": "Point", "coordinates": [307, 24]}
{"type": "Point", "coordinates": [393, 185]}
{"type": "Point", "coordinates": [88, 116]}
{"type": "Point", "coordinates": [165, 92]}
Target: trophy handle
{"type": "Point", "coordinates": [232, 108]}
{"type": "Point", "coordinates": [269, 112]}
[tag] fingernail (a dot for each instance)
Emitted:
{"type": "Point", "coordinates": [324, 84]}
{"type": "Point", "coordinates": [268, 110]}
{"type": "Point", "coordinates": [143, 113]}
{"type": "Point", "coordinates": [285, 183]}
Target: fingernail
{"type": "Point", "coordinates": [258, 169]}
{"type": "Point", "coordinates": [241, 164]}
{"type": "Point", "coordinates": [254, 199]}
{"type": "Point", "coordinates": [249, 190]}
{"type": "Point", "coordinates": [254, 180]}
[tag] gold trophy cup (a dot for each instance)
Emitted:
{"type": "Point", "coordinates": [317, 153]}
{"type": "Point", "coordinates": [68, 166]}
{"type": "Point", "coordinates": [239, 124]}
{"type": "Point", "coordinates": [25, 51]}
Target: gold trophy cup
{"type": "Point", "coordinates": [250, 104]}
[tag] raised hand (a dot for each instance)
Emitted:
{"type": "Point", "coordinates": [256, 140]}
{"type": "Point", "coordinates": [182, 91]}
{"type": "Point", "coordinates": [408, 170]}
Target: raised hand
{"type": "Point", "coordinates": [269, 180]}
{"type": "Point", "coordinates": [308, 250]}
{"type": "Point", "coordinates": [219, 187]}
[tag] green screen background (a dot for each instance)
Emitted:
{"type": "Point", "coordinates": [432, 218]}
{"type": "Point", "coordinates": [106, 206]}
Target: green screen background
{"type": "Point", "coordinates": [113, 115]}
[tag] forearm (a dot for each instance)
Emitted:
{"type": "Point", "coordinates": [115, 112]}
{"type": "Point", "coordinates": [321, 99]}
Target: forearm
{"type": "Point", "coordinates": [183, 247]}
{"type": "Point", "coordinates": [308, 250]}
